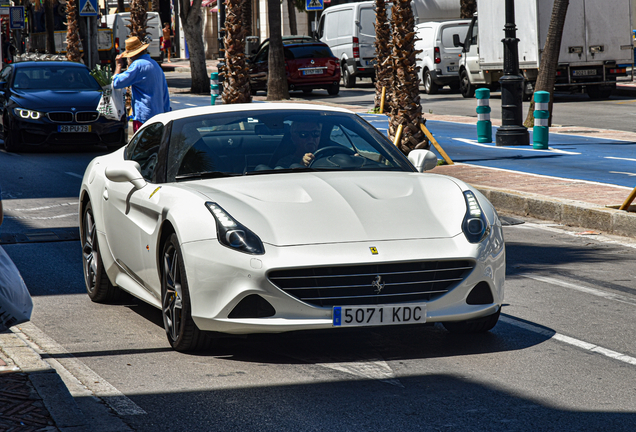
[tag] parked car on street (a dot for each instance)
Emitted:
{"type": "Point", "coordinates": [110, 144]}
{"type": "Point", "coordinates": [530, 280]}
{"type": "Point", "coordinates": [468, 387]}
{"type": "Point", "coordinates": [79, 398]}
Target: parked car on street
{"type": "Point", "coordinates": [52, 103]}
{"type": "Point", "coordinates": [309, 65]}
{"type": "Point", "coordinates": [199, 217]}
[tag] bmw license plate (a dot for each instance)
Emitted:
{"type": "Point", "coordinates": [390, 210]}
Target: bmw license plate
{"type": "Point", "coordinates": [74, 128]}
{"type": "Point", "coordinates": [312, 71]}
{"type": "Point", "coordinates": [584, 72]}
{"type": "Point", "coordinates": [452, 68]}
{"type": "Point", "coordinates": [377, 315]}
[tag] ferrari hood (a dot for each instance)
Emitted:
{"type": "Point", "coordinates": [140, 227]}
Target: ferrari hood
{"type": "Point", "coordinates": [47, 100]}
{"type": "Point", "coordinates": [314, 208]}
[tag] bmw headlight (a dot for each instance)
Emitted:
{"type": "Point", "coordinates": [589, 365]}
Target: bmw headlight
{"type": "Point", "coordinates": [475, 225]}
{"type": "Point", "coordinates": [233, 234]}
{"type": "Point", "coordinates": [27, 114]}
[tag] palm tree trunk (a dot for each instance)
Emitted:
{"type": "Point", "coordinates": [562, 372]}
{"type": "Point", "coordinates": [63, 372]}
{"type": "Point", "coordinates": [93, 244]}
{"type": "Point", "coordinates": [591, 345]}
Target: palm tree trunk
{"type": "Point", "coordinates": [72, 34]}
{"type": "Point", "coordinates": [550, 58]}
{"type": "Point", "coordinates": [121, 6]}
{"type": "Point", "coordinates": [383, 65]}
{"type": "Point", "coordinates": [192, 24]}
{"type": "Point", "coordinates": [49, 21]}
{"type": "Point", "coordinates": [405, 99]}
{"type": "Point", "coordinates": [277, 78]}
{"type": "Point", "coordinates": [237, 78]}
{"type": "Point", "coordinates": [291, 10]}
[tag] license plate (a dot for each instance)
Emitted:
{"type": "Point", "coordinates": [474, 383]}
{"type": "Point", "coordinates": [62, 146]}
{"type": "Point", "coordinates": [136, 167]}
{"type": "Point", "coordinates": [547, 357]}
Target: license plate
{"type": "Point", "coordinates": [312, 71]}
{"type": "Point", "coordinates": [452, 68]}
{"type": "Point", "coordinates": [74, 128]}
{"type": "Point", "coordinates": [370, 62]}
{"type": "Point", "coordinates": [584, 72]}
{"type": "Point", "coordinates": [378, 315]}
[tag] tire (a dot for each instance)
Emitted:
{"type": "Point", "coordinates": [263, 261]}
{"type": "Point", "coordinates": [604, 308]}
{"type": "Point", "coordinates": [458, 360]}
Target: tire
{"type": "Point", "coordinates": [429, 86]}
{"type": "Point", "coordinates": [599, 92]}
{"type": "Point", "coordinates": [333, 89]}
{"type": "Point", "coordinates": [10, 142]}
{"type": "Point", "coordinates": [183, 334]}
{"type": "Point", "coordinates": [308, 91]}
{"type": "Point", "coordinates": [98, 286]}
{"type": "Point", "coordinates": [454, 86]}
{"type": "Point", "coordinates": [465, 87]}
{"type": "Point", "coordinates": [479, 325]}
{"type": "Point", "coordinates": [348, 80]}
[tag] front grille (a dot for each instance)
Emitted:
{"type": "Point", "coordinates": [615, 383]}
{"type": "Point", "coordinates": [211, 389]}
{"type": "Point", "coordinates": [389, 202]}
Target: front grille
{"type": "Point", "coordinates": [60, 117]}
{"type": "Point", "coordinates": [368, 284]}
{"type": "Point", "coordinates": [86, 116]}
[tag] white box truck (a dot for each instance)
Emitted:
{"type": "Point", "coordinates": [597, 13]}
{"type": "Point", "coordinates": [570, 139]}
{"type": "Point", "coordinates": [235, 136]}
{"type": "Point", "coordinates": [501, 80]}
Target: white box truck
{"type": "Point", "coordinates": [597, 40]}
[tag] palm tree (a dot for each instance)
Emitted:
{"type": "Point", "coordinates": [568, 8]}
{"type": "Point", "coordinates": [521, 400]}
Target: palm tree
{"type": "Point", "coordinates": [49, 21]}
{"type": "Point", "coordinates": [237, 78]}
{"type": "Point", "coordinates": [138, 19]}
{"type": "Point", "coordinates": [277, 78]}
{"type": "Point", "coordinates": [405, 98]}
{"type": "Point", "coordinates": [550, 58]}
{"type": "Point", "coordinates": [72, 33]}
{"type": "Point", "coordinates": [467, 8]}
{"type": "Point", "coordinates": [383, 69]}
{"type": "Point", "coordinates": [192, 25]}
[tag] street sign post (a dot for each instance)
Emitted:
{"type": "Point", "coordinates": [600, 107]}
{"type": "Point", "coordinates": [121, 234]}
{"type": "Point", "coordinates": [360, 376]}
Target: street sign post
{"type": "Point", "coordinates": [88, 8]}
{"type": "Point", "coordinates": [314, 5]}
{"type": "Point", "coordinates": [16, 17]}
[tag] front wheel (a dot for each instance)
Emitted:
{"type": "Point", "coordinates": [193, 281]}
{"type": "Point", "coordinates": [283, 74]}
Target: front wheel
{"type": "Point", "coordinates": [465, 87]}
{"type": "Point", "coordinates": [10, 141]}
{"type": "Point", "coordinates": [479, 325]}
{"type": "Point", "coordinates": [182, 332]}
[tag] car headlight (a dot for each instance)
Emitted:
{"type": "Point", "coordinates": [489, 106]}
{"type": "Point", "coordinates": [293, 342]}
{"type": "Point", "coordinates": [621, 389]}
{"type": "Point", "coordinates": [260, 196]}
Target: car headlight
{"type": "Point", "coordinates": [27, 114]}
{"type": "Point", "coordinates": [233, 234]}
{"type": "Point", "coordinates": [475, 225]}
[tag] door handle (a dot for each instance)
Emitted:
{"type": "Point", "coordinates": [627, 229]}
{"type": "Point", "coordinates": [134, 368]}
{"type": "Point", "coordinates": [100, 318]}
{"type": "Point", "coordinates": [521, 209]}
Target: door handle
{"type": "Point", "coordinates": [105, 195]}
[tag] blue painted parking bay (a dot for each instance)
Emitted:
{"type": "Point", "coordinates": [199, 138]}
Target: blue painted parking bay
{"type": "Point", "coordinates": [569, 156]}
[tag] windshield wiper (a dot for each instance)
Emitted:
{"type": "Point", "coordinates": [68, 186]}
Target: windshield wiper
{"type": "Point", "coordinates": [204, 175]}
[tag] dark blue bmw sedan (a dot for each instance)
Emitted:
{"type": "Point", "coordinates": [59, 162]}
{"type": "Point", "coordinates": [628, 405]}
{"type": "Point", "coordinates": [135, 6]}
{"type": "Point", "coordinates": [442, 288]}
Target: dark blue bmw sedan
{"type": "Point", "coordinates": [54, 102]}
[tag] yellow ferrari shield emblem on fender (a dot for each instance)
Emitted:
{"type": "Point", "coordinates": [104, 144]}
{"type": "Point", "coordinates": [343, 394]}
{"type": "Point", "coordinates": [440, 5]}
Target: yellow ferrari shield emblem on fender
{"type": "Point", "coordinates": [374, 250]}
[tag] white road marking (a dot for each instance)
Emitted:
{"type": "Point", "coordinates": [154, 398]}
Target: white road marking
{"type": "Point", "coordinates": [371, 369]}
{"type": "Point", "coordinates": [620, 158]}
{"type": "Point", "coordinates": [74, 203]}
{"type": "Point", "coordinates": [550, 149]}
{"type": "Point", "coordinates": [571, 341]}
{"type": "Point", "coordinates": [626, 173]}
{"type": "Point", "coordinates": [189, 104]}
{"type": "Point", "coordinates": [72, 174]}
{"type": "Point", "coordinates": [42, 217]}
{"type": "Point", "coordinates": [593, 291]}
{"type": "Point", "coordinates": [70, 367]}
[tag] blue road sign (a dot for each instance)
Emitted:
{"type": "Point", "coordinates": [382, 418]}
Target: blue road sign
{"type": "Point", "coordinates": [88, 8]}
{"type": "Point", "coordinates": [16, 17]}
{"type": "Point", "coordinates": [314, 5]}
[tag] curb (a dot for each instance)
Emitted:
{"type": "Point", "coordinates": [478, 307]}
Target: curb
{"type": "Point", "coordinates": [566, 212]}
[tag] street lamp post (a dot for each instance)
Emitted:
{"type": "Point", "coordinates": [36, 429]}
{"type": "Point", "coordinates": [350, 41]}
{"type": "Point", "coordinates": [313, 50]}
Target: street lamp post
{"type": "Point", "coordinates": [511, 131]}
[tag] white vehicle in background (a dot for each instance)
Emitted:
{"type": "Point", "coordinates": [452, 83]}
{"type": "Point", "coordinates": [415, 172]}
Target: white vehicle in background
{"type": "Point", "coordinates": [117, 22]}
{"type": "Point", "coordinates": [439, 57]}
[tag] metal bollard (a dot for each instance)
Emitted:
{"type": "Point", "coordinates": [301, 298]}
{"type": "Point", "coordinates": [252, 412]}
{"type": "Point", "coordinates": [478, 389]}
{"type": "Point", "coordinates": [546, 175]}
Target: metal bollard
{"type": "Point", "coordinates": [484, 125]}
{"type": "Point", "coordinates": [541, 116]}
{"type": "Point", "coordinates": [214, 86]}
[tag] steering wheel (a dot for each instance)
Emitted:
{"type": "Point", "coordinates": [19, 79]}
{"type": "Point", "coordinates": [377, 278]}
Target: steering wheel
{"type": "Point", "coordinates": [330, 151]}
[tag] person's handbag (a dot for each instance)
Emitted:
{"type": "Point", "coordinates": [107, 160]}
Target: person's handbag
{"type": "Point", "coordinates": [111, 104]}
{"type": "Point", "coordinates": [15, 301]}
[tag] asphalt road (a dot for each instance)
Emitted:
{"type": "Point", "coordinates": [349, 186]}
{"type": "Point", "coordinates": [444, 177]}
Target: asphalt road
{"type": "Point", "coordinates": [561, 358]}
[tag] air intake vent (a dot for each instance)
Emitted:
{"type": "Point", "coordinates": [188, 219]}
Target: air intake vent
{"type": "Point", "coordinates": [86, 116]}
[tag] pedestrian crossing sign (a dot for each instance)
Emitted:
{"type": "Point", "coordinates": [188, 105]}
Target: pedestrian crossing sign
{"type": "Point", "coordinates": [88, 8]}
{"type": "Point", "coordinates": [314, 5]}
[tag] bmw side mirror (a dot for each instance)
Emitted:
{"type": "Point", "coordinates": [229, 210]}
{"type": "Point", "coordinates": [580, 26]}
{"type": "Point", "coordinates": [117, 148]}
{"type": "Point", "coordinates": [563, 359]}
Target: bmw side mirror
{"type": "Point", "coordinates": [456, 41]}
{"type": "Point", "coordinates": [423, 160]}
{"type": "Point", "coordinates": [127, 171]}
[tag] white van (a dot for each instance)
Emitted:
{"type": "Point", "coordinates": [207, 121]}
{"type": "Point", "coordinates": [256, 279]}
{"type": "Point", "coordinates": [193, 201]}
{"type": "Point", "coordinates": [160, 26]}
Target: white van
{"type": "Point", "coordinates": [439, 59]}
{"type": "Point", "coordinates": [117, 22]}
{"type": "Point", "coordinates": [349, 30]}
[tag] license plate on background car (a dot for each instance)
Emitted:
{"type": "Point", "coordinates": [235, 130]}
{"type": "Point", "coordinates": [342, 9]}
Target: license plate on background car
{"type": "Point", "coordinates": [74, 128]}
{"type": "Point", "coordinates": [312, 71]}
{"type": "Point", "coordinates": [358, 316]}
{"type": "Point", "coordinates": [584, 72]}
{"type": "Point", "coordinates": [452, 68]}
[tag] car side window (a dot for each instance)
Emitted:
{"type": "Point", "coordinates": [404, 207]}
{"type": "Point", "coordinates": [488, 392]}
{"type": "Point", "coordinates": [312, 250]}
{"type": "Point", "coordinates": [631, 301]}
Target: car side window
{"type": "Point", "coordinates": [5, 75]}
{"type": "Point", "coordinates": [144, 149]}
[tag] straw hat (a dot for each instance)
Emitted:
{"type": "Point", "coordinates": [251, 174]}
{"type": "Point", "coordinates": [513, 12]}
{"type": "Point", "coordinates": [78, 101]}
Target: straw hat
{"type": "Point", "coordinates": [134, 46]}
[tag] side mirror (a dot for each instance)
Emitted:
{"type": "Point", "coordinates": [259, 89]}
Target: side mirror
{"type": "Point", "coordinates": [456, 41]}
{"type": "Point", "coordinates": [127, 171]}
{"type": "Point", "coordinates": [423, 160]}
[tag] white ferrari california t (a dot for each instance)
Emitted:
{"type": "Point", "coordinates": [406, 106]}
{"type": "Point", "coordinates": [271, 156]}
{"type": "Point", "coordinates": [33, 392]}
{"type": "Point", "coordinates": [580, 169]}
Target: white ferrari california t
{"type": "Point", "coordinates": [254, 218]}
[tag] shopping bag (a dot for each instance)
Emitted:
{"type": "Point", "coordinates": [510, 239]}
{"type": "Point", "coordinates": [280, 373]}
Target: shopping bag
{"type": "Point", "coordinates": [111, 104]}
{"type": "Point", "coordinates": [15, 301]}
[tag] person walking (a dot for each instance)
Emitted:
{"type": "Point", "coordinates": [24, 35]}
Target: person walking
{"type": "Point", "coordinates": [146, 80]}
{"type": "Point", "coordinates": [167, 41]}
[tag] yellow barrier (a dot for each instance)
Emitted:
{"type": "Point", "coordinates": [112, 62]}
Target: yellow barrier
{"type": "Point", "coordinates": [398, 135]}
{"type": "Point", "coordinates": [628, 201]}
{"type": "Point", "coordinates": [436, 144]}
{"type": "Point", "coordinates": [382, 100]}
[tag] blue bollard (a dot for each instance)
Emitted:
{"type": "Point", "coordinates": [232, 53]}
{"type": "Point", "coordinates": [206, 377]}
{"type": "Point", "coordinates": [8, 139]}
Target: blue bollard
{"type": "Point", "coordinates": [541, 130]}
{"type": "Point", "coordinates": [484, 125]}
{"type": "Point", "coordinates": [214, 86]}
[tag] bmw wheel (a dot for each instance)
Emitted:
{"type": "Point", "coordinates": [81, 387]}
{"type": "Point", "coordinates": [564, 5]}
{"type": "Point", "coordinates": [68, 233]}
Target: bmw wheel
{"type": "Point", "coordinates": [182, 332]}
{"type": "Point", "coordinates": [98, 286]}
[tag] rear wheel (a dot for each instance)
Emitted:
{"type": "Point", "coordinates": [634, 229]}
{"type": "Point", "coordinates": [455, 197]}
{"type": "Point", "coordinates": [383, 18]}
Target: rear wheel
{"type": "Point", "coordinates": [308, 91]}
{"type": "Point", "coordinates": [599, 92]}
{"type": "Point", "coordinates": [429, 86]}
{"type": "Point", "coordinates": [465, 87]}
{"type": "Point", "coordinates": [98, 286]}
{"type": "Point", "coordinates": [182, 332]}
{"type": "Point", "coordinates": [479, 325]}
{"type": "Point", "coordinates": [454, 86]}
{"type": "Point", "coordinates": [348, 79]}
{"type": "Point", "coordinates": [333, 89]}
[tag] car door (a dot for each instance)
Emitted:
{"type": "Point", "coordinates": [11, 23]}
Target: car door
{"type": "Point", "coordinates": [5, 77]}
{"type": "Point", "coordinates": [132, 217]}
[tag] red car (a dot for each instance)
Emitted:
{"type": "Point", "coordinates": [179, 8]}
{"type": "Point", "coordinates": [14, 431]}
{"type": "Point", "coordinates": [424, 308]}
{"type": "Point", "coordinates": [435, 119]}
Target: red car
{"type": "Point", "coordinates": [309, 65]}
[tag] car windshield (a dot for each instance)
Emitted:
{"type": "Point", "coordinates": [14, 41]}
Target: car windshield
{"type": "Point", "coordinates": [54, 77]}
{"type": "Point", "coordinates": [307, 52]}
{"type": "Point", "coordinates": [276, 141]}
